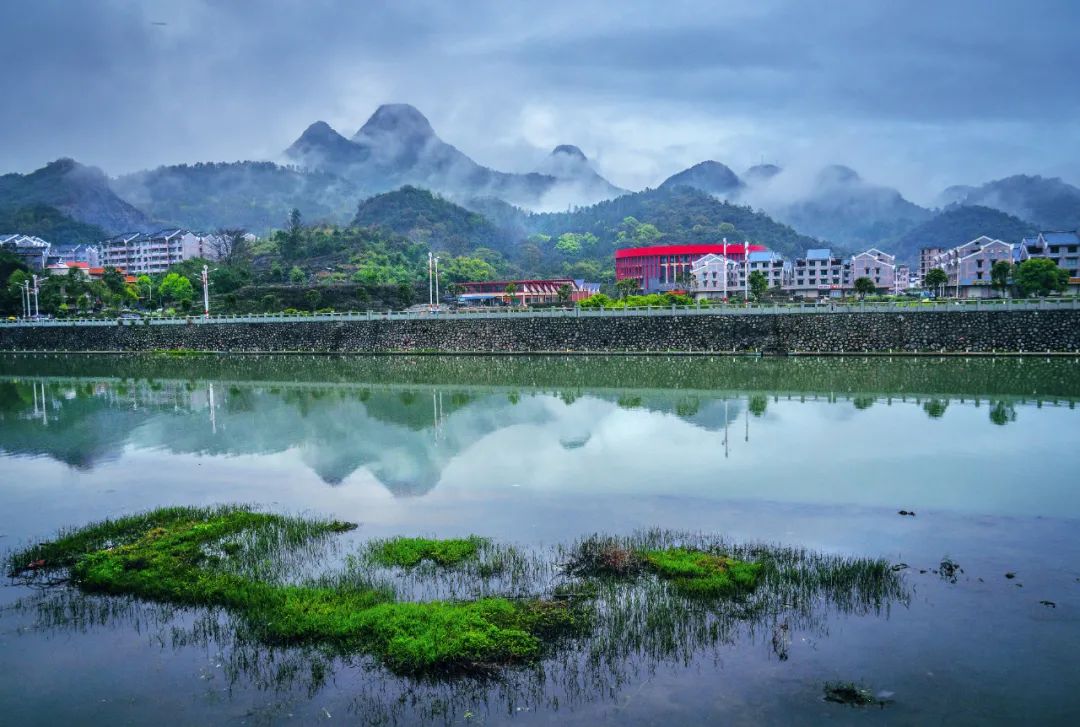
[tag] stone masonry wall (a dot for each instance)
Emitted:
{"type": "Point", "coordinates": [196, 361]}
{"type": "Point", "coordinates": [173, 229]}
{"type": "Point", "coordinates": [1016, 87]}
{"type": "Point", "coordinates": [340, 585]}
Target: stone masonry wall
{"type": "Point", "coordinates": [977, 331]}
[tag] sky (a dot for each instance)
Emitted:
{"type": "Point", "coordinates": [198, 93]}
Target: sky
{"type": "Point", "coordinates": [916, 95]}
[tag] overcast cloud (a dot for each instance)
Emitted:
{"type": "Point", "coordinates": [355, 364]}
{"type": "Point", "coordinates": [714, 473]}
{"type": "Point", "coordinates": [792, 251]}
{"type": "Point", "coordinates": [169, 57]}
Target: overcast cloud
{"type": "Point", "coordinates": [914, 94]}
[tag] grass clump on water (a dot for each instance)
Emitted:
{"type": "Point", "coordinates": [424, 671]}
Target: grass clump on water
{"type": "Point", "coordinates": [410, 552]}
{"type": "Point", "coordinates": [217, 557]}
{"type": "Point", "coordinates": [695, 573]}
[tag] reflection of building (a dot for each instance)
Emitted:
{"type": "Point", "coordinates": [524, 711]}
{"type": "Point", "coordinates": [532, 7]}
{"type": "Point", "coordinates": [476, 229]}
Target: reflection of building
{"type": "Point", "coordinates": [968, 266]}
{"type": "Point", "coordinates": [878, 266]}
{"type": "Point", "coordinates": [154, 252]}
{"type": "Point", "coordinates": [525, 292]}
{"type": "Point", "coordinates": [668, 267]}
{"type": "Point", "coordinates": [31, 250]}
{"type": "Point", "coordinates": [819, 274]}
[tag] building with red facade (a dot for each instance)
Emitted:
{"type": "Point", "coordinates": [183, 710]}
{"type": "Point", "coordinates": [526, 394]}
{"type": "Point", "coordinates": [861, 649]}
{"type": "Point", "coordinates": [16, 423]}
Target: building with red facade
{"type": "Point", "coordinates": [667, 267]}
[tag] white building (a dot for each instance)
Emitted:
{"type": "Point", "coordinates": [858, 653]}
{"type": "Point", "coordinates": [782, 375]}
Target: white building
{"type": "Point", "coordinates": [715, 277]}
{"type": "Point", "coordinates": [878, 266]}
{"type": "Point", "coordinates": [968, 266]}
{"type": "Point", "coordinates": [819, 274]}
{"type": "Point", "coordinates": [154, 252]}
{"type": "Point", "coordinates": [31, 250]}
{"type": "Point", "coordinates": [772, 265]}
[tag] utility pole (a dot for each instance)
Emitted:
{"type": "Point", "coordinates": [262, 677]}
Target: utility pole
{"type": "Point", "coordinates": [430, 263]}
{"type": "Point", "coordinates": [206, 291]}
{"type": "Point", "coordinates": [37, 308]}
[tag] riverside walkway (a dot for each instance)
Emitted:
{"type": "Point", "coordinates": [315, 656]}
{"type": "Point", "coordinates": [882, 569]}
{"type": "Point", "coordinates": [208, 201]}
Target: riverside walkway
{"type": "Point", "coordinates": [914, 307]}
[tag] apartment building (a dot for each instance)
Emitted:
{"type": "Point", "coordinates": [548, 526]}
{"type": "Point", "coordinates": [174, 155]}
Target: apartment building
{"type": "Point", "coordinates": [154, 252]}
{"type": "Point", "coordinates": [968, 266]}
{"type": "Point", "coordinates": [927, 255]}
{"type": "Point", "coordinates": [772, 265]}
{"type": "Point", "coordinates": [819, 275]}
{"type": "Point", "coordinates": [715, 277]}
{"type": "Point", "coordinates": [33, 251]}
{"type": "Point", "coordinates": [878, 266]}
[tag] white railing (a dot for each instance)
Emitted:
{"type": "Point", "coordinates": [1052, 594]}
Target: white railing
{"type": "Point", "coordinates": [914, 307]}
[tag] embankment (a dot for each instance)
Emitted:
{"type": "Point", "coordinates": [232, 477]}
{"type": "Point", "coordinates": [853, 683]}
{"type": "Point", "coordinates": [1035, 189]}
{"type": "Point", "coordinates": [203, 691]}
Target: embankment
{"type": "Point", "coordinates": [967, 331]}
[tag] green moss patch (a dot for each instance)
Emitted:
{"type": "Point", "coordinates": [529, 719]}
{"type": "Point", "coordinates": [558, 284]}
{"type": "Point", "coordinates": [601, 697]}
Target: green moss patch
{"type": "Point", "coordinates": [207, 557]}
{"type": "Point", "coordinates": [695, 573]}
{"type": "Point", "coordinates": [410, 552]}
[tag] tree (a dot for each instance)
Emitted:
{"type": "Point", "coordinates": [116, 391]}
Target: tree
{"type": "Point", "coordinates": [113, 279]}
{"type": "Point", "coordinates": [935, 279]}
{"type": "Point", "coordinates": [293, 237]}
{"type": "Point", "coordinates": [176, 287]}
{"type": "Point", "coordinates": [297, 276]}
{"type": "Point", "coordinates": [1041, 276]}
{"type": "Point", "coordinates": [230, 245]}
{"type": "Point", "coordinates": [510, 290]}
{"type": "Point", "coordinates": [565, 294]}
{"type": "Point", "coordinates": [467, 269]}
{"type": "Point", "coordinates": [999, 275]}
{"type": "Point", "coordinates": [627, 287]}
{"type": "Point", "coordinates": [865, 286]}
{"type": "Point", "coordinates": [145, 286]}
{"type": "Point", "coordinates": [759, 284]}
{"type": "Point", "coordinates": [313, 297]}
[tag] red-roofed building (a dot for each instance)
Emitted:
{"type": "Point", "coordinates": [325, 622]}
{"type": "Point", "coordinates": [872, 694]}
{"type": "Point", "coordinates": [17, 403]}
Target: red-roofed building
{"type": "Point", "coordinates": [526, 292]}
{"type": "Point", "coordinates": [667, 267]}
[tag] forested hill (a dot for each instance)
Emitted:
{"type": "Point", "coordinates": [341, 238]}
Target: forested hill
{"type": "Point", "coordinates": [425, 217]}
{"type": "Point", "coordinates": [50, 224]}
{"type": "Point", "coordinates": [955, 226]}
{"type": "Point", "coordinates": [681, 215]}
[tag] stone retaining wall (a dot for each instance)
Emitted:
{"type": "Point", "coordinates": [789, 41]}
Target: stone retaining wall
{"type": "Point", "coordinates": [976, 331]}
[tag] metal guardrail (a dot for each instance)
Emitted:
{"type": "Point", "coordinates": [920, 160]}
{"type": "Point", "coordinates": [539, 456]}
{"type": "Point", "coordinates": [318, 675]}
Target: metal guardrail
{"type": "Point", "coordinates": [711, 310]}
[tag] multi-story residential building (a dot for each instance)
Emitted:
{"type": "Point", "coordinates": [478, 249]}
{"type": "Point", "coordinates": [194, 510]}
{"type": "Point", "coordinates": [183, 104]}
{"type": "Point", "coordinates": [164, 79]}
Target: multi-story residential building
{"type": "Point", "coordinates": [927, 255]}
{"type": "Point", "coordinates": [772, 265]}
{"type": "Point", "coordinates": [154, 252]}
{"type": "Point", "coordinates": [89, 254]}
{"type": "Point", "coordinates": [1061, 247]}
{"type": "Point", "coordinates": [903, 281]}
{"type": "Point", "coordinates": [716, 277]}
{"type": "Point", "coordinates": [878, 266]}
{"type": "Point", "coordinates": [968, 266]}
{"type": "Point", "coordinates": [31, 250]}
{"type": "Point", "coordinates": [819, 275]}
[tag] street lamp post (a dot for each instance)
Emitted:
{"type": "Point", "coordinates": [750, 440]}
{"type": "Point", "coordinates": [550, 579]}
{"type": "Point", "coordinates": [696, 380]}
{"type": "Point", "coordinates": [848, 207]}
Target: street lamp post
{"type": "Point", "coordinates": [206, 291]}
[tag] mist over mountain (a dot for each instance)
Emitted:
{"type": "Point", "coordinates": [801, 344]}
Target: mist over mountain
{"type": "Point", "coordinates": [1051, 203]}
{"type": "Point", "coordinates": [956, 225]}
{"type": "Point", "coordinates": [397, 146]}
{"type": "Point", "coordinates": [833, 204]}
{"type": "Point", "coordinates": [256, 196]}
{"type": "Point", "coordinates": [77, 191]}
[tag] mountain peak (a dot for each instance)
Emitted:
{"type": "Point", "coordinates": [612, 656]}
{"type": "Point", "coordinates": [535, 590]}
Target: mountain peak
{"type": "Point", "coordinates": [319, 130]}
{"type": "Point", "coordinates": [838, 174]}
{"type": "Point", "coordinates": [708, 176]}
{"type": "Point", "coordinates": [396, 119]}
{"type": "Point", "coordinates": [762, 172]}
{"type": "Point", "coordinates": [569, 150]}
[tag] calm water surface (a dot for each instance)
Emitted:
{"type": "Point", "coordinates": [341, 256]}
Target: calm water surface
{"type": "Point", "coordinates": [819, 453]}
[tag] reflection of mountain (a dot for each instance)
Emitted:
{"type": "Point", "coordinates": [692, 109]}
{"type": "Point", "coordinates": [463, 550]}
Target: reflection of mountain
{"type": "Point", "coordinates": [405, 431]}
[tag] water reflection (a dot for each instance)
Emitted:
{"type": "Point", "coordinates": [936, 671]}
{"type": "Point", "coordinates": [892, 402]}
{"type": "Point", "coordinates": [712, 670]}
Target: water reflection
{"type": "Point", "coordinates": [408, 434]}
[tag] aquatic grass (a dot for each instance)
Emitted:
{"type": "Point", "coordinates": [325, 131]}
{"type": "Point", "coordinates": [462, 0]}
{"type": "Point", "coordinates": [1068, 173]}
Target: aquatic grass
{"type": "Point", "coordinates": [694, 573]}
{"type": "Point", "coordinates": [207, 557]}
{"type": "Point", "coordinates": [410, 552]}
